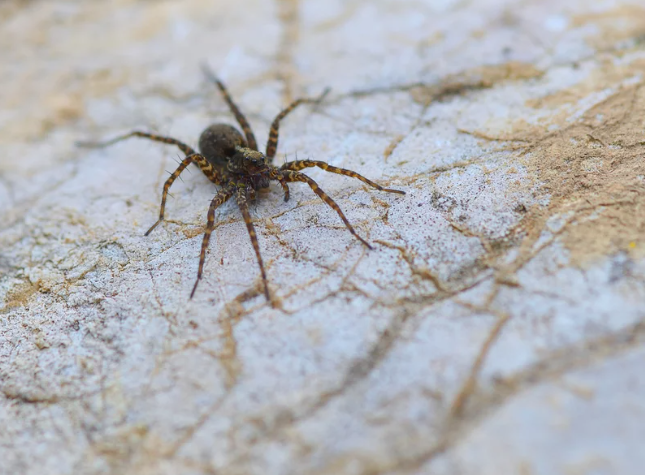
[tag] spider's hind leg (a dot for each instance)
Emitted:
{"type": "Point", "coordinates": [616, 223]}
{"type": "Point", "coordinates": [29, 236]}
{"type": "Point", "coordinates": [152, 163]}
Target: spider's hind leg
{"type": "Point", "coordinates": [157, 138]}
{"type": "Point", "coordinates": [241, 119]}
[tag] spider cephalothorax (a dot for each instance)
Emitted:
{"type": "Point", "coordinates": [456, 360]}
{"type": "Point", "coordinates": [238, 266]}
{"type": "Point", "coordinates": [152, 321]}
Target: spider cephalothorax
{"type": "Point", "coordinates": [250, 167]}
{"type": "Point", "coordinates": [234, 163]}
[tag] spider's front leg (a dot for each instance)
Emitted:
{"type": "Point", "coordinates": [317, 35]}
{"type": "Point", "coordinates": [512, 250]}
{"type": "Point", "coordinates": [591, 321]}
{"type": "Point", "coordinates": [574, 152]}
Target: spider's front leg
{"type": "Point", "coordinates": [301, 164]}
{"type": "Point", "coordinates": [221, 198]}
{"type": "Point", "coordinates": [166, 186]}
{"type": "Point", "coordinates": [203, 164]}
{"type": "Point", "coordinates": [191, 157]}
{"type": "Point", "coordinates": [291, 176]}
{"type": "Point", "coordinates": [277, 175]}
{"type": "Point", "coordinates": [285, 188]}
{"type": "Point", "coordinates": [272, 143]}
{"type": "Point", "coordinates": [244, 208]}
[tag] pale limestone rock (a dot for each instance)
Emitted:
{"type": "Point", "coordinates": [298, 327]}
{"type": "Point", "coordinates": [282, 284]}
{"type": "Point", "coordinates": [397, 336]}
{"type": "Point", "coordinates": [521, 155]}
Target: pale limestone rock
{"type": "Point", "coordinates": [497, 326]}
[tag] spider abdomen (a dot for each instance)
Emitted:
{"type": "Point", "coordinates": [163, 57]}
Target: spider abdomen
{"type": "Point", "coordinates": [217, 143]}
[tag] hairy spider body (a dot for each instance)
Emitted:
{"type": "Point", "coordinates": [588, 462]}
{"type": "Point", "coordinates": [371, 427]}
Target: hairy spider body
{"type": "Point", "coordinates": [233, 162]}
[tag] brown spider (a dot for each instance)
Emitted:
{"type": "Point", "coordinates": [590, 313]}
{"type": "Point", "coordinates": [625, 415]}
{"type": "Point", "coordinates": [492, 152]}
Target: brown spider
{"type": "Point", "coordinates": [240, 170]}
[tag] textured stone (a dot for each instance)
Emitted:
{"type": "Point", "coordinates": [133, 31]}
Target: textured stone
{"type": "Point", "coordinates": [497, 326]}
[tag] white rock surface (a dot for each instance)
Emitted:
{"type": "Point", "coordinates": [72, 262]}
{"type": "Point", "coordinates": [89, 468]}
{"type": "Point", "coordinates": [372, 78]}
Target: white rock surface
{"type": "Point", "coordinates": [496, 328]}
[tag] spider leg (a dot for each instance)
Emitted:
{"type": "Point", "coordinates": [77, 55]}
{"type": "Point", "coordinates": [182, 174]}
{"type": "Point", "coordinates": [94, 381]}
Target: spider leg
{"type": "Point", "coordinates": [276, 174]}
{"type": "Point", "coordinates": [201, 161]}
{"type": "Point", "coordinates": [221, 198]}
{"type": "Point", "coordinates": [272, 143]}
{"type": "Point", "coordinates": [285, 188]}
{"type": "Point", "coordinates": [291, 176]}
{"type": "Point", "coordinates": [197, 158]}
{"type": "Point", "coordinates": [250, 138]}
{"type": "Point", "coordinates": [300, 164]}
{"type": "Point", "coordinates": [157, 138]}
{"type": "Point", "coordinates": [244, 208]}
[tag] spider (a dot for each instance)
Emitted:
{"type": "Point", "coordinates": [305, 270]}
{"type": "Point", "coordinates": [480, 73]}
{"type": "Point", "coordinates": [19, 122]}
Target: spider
{"type": "Point", "coordinates": [235, 164]}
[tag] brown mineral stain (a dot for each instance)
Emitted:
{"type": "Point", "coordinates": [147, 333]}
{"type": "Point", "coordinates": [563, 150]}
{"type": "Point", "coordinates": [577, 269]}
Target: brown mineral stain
{"type": "Point", "coordinates": [608, 75]}
{"type": "Point", "coordinates": [593, 166]}
{"type": "Point", "coordinates": [619, 24]}
{"type": "Point", "coordinates": [56, 100]}
{"type": "Point", "coordinates": [19, 295]}
{"type": "Point", "coordinates": [192, 232]}
{"type": "Point", "coordinates": [65, 107]}
{"type": "Point", "coordinates": [393, 144]}
{"type": "Point", "coordinates": [481, 77]}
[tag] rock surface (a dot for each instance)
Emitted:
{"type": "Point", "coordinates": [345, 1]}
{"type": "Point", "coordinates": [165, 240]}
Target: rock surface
{"type": "Point", "coordinates": [496, 328]}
